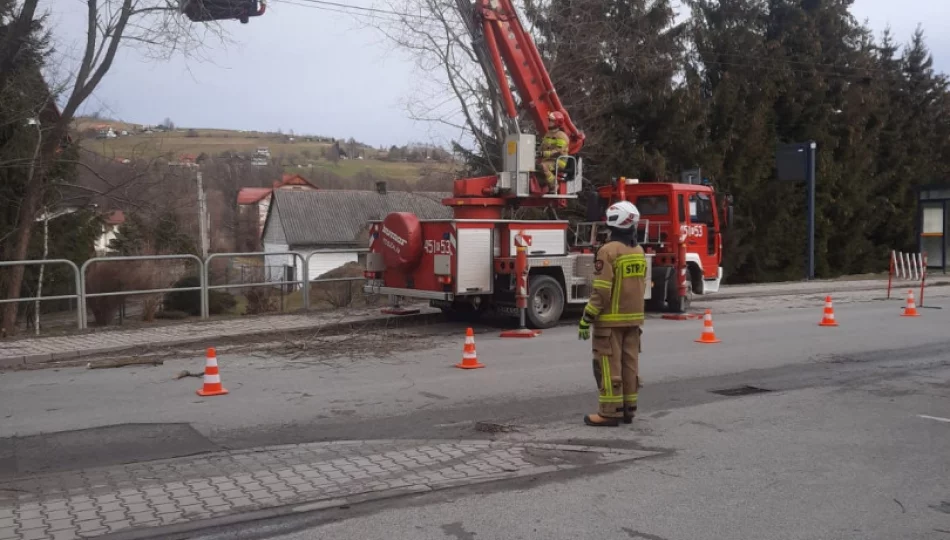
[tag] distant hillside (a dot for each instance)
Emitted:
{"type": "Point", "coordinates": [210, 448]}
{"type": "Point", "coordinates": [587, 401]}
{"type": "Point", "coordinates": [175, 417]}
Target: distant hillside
{"type": "Point", "coordinates": [294, 153]}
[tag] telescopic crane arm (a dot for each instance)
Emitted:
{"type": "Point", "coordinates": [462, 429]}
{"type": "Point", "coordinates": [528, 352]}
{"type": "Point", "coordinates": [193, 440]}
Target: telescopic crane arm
{"type": "Point", "coordinates": [500, 40]}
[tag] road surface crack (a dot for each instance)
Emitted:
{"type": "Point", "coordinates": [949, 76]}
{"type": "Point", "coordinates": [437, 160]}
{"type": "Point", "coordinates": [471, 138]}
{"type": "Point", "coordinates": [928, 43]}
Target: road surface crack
{"type": "Point", "coordinates": [637, 534]}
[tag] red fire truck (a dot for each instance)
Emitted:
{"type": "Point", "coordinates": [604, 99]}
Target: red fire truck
{"type": "Point", "coordinates": [467, 264]}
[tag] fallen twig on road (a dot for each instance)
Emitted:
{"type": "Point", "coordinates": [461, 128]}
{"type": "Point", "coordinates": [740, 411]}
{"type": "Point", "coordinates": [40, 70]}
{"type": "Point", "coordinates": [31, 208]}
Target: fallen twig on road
{"type": "Point", "coordinates": [903, 510]}
{"type": "Point", "coordinates": [365, 339]}
{"type": "Point", "coordinates": [121, 362]}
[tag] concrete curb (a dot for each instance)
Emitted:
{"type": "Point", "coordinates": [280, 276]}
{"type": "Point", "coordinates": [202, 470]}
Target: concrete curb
{"type": "Point", "coordinates": [392, 321]}
{"type": "Point", "coordinates": [937, 282]}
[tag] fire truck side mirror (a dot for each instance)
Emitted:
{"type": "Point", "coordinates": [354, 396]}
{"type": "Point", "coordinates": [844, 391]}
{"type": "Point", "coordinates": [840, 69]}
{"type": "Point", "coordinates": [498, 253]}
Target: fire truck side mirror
{"type": "Point", "coordinates": [726, 211]}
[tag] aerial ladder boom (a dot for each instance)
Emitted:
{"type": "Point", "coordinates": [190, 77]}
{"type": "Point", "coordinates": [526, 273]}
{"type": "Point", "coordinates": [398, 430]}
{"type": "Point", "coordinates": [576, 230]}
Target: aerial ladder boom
{"type": "Point", "coordinates": [500, 39]}
{"type": "Point", "coordinates": [509, 58]}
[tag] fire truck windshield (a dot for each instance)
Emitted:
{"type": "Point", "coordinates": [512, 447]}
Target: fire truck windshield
{"type": "Point", "coordinates": [653, 205]}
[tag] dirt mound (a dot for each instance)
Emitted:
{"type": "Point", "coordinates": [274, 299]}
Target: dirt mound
{"type": "Point", "coordinates": [348, 270]}
{"type": "Point", "coordinates": [340, 294]}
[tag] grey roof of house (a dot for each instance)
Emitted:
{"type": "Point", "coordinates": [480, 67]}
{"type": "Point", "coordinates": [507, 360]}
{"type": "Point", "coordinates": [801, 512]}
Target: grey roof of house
{"type": "Point", "coordinates": [329, 216]}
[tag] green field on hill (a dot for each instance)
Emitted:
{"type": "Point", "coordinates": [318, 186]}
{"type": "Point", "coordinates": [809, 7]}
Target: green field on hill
{"type": "Point", "coordinates": [211, 142]}
{"type": "Point", "coordinates": [300, 156]}
{"type": "Point", "coordinates": [385, 169]}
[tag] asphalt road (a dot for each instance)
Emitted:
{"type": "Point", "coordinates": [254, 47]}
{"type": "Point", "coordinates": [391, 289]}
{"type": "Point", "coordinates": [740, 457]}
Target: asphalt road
{"type": "Point", "coordinates": [850, 441]}
{"type": "Point", "coordinates": [839, 461]}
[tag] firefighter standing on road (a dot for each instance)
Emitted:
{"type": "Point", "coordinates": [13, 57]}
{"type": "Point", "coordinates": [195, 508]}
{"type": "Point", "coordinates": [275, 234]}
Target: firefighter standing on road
{"type": "Point", "coordinates": [615, 309]}
{"type": "Point", "coordinates": [554, 146]}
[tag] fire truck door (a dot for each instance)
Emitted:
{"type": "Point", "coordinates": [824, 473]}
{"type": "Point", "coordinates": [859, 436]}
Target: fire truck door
{"type": "Point", "coordinates": [702, 231]}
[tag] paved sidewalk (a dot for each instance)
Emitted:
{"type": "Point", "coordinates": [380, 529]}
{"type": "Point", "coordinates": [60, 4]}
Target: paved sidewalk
{"type": "Point", "coordinates": [161, 497]}
{"type": "Point", "coordinates": [70, 347]}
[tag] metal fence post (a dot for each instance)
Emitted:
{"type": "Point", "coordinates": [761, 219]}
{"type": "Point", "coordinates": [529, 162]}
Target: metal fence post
{"type": "Point", "coordinates": [205, 295]}
{"type": "Point", "coordinates": [82, 299]}
{"type": "Point", "coordinates": [80, 314]}
{"type": "Point", "coordinates": [306, 282]}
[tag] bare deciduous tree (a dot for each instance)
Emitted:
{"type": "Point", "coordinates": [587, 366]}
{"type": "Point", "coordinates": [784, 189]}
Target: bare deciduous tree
{"type": "Point", "coordinates": [154, 25]}
{"type": "Point", "coordinates": [458, 93]}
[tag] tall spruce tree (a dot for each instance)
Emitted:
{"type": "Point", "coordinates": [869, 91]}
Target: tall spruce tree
{"type": "Point", "coordinates": [617, 65]}
{"type": "Point", "coordinates": [794, 70]}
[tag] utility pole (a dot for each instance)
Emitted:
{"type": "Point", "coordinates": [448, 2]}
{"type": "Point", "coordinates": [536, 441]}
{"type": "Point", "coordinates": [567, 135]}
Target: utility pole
{"type": "Point", "coordinates": [796, 162]}
{"type": "Point", "coordinates": [202, 218]}
{"type": "Point", "coordinates": [810, 180]}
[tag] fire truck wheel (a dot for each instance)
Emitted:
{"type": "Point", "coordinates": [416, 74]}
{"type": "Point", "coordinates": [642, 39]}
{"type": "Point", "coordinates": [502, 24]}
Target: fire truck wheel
{"type": "Point", "coordinates": [545, 302]}
{"type": "Point", "coordinates": [657, 301]}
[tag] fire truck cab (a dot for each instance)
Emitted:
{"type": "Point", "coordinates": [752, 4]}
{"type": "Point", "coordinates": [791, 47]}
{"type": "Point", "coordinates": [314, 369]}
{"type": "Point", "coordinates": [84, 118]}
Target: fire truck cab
{"type": "Point", "coordinates": [671, 214]}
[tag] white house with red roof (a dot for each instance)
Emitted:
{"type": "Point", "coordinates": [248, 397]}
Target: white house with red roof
{"type": "Point", "coordinates": [256, 200]}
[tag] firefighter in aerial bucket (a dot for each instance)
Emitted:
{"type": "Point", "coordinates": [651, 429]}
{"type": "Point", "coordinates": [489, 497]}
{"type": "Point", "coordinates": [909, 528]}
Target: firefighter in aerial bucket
{"type": "Point", "coordinates": [615, 310]}
{"type": "Point", "coordinates": [554, 146]}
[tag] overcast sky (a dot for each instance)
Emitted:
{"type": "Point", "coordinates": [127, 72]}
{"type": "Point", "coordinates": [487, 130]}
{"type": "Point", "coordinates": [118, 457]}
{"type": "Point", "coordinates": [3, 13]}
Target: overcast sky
{"type": "Point", "coordinates": [322, 72]}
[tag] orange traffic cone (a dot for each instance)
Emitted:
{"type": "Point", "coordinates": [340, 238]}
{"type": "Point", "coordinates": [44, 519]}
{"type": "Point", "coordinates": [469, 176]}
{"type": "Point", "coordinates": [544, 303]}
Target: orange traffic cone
{"type": "Point", "coordinates": [709, 335]}
{"type": "Point", "coordinates": [911, 309]}
{"type": "Point", "coordinates": [212, 382]}
{"type": "Point", "coordinates": [829, 318]}
{"type": "Point", "coordinates": [469, 358]}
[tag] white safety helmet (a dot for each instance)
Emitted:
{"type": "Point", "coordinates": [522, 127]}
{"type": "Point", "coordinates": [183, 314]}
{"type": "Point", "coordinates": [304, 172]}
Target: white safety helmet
{"type": "Point", "coordinates": [623, 215]}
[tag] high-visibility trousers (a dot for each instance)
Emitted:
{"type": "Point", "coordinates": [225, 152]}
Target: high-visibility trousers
{"type": "Point", "coordinates": [549, 166]}
{"type": "Point", "coordinates": [616, 368]}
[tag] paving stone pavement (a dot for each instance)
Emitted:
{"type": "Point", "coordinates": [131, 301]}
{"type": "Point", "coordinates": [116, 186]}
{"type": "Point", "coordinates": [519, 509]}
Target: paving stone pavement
{"type": "Point", "coordinates": [46, 349]}
{"type": "Point", "coordinates": [95, 502]}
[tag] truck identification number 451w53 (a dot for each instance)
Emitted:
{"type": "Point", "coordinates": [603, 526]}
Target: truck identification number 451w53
{"type": "Point", "coordinates": [438, 247]}
{"type": "Point", "coordinates": [696, 231]}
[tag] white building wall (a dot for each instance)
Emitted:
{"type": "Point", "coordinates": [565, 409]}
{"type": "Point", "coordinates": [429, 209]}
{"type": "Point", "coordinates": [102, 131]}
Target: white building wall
{"type": "Point", "coordinates": [275, 241]}
{"type": "Point", "coordinates": [262, 207]}
{"type": "Point", "coordinates": [102, 243]}
{"type": "Point", "coordinates": [275, 263]}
